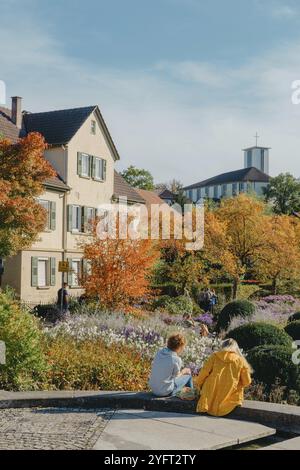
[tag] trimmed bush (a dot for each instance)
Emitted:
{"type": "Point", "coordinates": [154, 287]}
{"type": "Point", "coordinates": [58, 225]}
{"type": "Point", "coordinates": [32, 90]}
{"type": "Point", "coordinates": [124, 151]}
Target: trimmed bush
{"type": "Point", "coordinates": [257, 334]}
{"type": "Point", "coordinates": [274, 362]}
{"type": "Point", "coordinates": [294, 317]}
{"type": "Point", "coordinates": [293, 329]}
{"type": "Point", "coordinates": [25, 361]}
{"type": "Point", "coordinates": [237, 308]}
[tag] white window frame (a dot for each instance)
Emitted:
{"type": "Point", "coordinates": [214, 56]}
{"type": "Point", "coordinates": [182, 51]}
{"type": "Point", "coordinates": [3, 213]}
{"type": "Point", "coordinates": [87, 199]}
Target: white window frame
{"type": "Point", "coordinates": [101, 166]}
{"type": "Point", "coordinates": [87, 158]}
{"type": "Point", "coordinates": [47, 267]}
{"type": "Point", "coordinates": [44, 203]}
{"type": "Point", "coordinates": [74, 281]}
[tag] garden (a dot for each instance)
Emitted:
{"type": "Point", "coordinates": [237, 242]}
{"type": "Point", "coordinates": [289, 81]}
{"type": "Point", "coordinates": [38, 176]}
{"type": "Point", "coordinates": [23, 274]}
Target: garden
{"type": "Point", "coordinates": [137, 292]}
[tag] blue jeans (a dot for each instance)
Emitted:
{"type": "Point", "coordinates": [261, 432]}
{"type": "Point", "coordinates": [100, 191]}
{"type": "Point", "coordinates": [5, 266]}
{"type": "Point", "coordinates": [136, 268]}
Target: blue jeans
{"type": "Point", "coordinates": [182, 381]}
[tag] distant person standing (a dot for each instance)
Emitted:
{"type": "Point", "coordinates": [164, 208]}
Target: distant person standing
{"type": "Point", "coordinates": [63, 299]}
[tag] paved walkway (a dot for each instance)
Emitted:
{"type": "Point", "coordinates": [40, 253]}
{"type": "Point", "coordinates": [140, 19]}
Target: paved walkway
{"type": "Point", "coordinates": [51, 428]}
{"type": "Point", "coordinates": [75, 428]}
{"type": "Point", "coordinates": [147, 430]}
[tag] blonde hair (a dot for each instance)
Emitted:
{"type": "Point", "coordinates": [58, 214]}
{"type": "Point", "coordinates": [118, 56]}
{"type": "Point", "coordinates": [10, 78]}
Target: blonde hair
{"type": "Point", "coordinates": [231, 345]}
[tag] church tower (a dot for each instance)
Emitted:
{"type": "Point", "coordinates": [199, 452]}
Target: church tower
{"type": "Point", "coordinates": [258, 157]}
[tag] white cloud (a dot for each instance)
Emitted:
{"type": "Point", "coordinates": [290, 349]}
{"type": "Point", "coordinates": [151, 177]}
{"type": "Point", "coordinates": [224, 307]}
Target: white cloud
{"type": "Point", "coordinates": [186, 120]}
{"type": "Point", "coordinates": [284, 11]}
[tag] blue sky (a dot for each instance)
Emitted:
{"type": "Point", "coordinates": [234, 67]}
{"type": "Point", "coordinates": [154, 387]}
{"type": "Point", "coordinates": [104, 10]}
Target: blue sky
{"type": "Point", "coordinates": [183, 84]}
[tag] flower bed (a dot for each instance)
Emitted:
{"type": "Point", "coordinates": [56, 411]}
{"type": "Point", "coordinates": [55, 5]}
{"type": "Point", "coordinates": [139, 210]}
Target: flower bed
{"type": "Point", "coordinates": [144, 337]}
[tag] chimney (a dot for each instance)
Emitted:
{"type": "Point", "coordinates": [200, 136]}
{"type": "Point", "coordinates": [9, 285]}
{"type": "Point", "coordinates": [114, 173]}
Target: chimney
{"type": "Point", "coordinates": [16, 111]}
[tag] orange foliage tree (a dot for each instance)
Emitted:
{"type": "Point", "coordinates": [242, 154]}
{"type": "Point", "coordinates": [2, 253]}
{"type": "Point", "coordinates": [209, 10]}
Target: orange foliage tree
{"type": "Point", "coordinates": [119, 269]}
{"type": "Point", "coordinates": [23, 169]}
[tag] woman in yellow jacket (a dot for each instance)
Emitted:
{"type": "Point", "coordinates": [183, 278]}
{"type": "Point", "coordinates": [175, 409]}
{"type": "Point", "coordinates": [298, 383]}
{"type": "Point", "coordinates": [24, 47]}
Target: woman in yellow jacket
{"type": "Point", "coordinates": [222, 380]}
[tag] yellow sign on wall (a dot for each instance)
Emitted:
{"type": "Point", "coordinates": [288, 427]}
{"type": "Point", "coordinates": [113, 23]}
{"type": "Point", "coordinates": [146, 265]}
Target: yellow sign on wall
{"type": "Point", "coordinates": [63, 267]}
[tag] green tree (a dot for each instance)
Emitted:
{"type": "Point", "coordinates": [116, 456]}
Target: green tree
{"type": "Point", "coordinates": [138, 178]}
{"type": "Point", "coordinates": [284, 193]}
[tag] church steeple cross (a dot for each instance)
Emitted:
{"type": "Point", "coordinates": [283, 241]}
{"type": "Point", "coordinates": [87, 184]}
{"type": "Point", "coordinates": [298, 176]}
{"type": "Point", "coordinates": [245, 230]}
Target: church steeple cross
{"type": "Point", "coordinates": [256, 138]}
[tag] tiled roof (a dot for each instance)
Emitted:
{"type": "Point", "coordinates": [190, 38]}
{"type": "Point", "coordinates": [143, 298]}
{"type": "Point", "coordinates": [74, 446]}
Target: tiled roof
{"type": "Point", "coordinates": [56, 182]}
{"type": "Point", "coordinates": [58, 127]}
{"type": "Point", "coordinates": [150, 197]}
{"type": "Point", "coordinates": [245, 174]}
{"type": "Point", "coordinates": [123, 189]}
{"type": "Point", "coordinates": [165, 193]}
{"type": "Point", "coordinates": [7, 128]}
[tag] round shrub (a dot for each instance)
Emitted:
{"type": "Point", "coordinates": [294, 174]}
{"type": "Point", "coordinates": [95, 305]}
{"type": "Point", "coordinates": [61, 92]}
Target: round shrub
{"type": "Point", "coordinates": [257, 334]}
{"type": "Point", "coordinates": [273, 362]}
{"type": "Point", "coordinates": [179, 305]}
{"type": "Point", "coordinates": [237, 308]}
{"type": "Point", "coordinates": [294, 317]}
{"type": "Point", "coordinates": [25, 361]}
{"type": "Point", "coordinates": [293, 329]}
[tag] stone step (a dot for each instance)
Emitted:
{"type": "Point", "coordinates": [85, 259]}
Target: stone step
{"type": "Point", "coordinates": [151, 430]}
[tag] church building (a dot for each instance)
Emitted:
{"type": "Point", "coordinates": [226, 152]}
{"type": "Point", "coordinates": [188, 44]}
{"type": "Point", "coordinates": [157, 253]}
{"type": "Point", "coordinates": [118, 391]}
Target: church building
{"type": "Point", "coordinates": [252, 178]}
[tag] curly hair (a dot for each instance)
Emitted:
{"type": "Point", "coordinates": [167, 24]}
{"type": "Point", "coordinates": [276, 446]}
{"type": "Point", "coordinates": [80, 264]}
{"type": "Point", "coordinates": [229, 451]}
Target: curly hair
{"type": "Point", "coordinates": [176, 341]}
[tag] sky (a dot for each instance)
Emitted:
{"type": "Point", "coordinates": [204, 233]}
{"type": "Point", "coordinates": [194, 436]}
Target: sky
{"type": "Point", "coordinates": [183, 85]}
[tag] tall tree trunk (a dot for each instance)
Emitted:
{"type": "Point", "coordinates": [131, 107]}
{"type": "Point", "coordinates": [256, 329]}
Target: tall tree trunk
{"type": "Point", "coordinates": [274, 286]}
{"type": "Point", "coordinates": [235, 288]}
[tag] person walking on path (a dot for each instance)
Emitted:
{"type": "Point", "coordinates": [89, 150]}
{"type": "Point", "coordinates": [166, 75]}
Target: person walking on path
{"type": "Point", "coordinates": [222, 380]}
{"type": "Point", "coordinates": [167, 376]}
{"type": "Point", "coordinates": [63, 299]}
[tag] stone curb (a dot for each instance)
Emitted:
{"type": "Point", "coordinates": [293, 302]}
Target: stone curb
{"type": "Point", "coordinates": [282, 417]}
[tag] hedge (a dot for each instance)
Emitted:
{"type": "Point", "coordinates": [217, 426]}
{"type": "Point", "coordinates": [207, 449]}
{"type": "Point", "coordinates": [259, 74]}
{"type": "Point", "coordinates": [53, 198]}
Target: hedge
{"type": "Point", "coordinates": [237, 308]}
{"type": "Point", "coordinates": [293, 329]}
{"type": "Point", "coordinates": [257, 334]}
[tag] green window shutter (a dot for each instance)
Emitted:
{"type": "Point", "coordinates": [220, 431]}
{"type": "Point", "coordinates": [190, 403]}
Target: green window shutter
{"type": "Point", "coordinates": [104, 170]}
{"type": "Point", "coordinates": [84, 219]}
{"type": "Point", "coordinates": [52, 271]}
{"type": "Point", "coordinates": [69, 273]}
{"type": "Point", "coordinates": [79, 164]}
{"type": "Point", "coordinates": [93, 163]}
{"type": "Point", "coordinates": [52, 215]}
{"type": "Point", "coordinates": [70, 217]}
{"type": "Point", "coordinates": [34, 271]}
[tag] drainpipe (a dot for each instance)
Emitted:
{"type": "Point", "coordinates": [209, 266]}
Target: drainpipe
{"type": "Point", "coordinates": [65, 204]}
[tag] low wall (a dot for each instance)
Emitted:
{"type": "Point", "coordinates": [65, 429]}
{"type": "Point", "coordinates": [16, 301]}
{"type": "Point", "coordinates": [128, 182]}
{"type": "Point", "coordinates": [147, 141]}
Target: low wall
{"type": "Point", "coordinates": [282, 417]}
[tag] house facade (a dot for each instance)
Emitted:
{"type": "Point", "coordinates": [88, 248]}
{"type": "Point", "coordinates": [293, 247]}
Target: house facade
{"type": "Point", "coordinates": [252, 178]}
{"type": "Point", "coordinates": [83, 154]}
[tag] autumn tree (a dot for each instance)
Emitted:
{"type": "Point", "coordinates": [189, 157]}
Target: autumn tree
{"type": "Point", "coordinates": [120, 269]}
{"type": "Point", "coordinates": [246, 234]}
{"type": "Point", "coordinates": [23, 169]}
{"type": "Point", "coordinates": [281, 254]}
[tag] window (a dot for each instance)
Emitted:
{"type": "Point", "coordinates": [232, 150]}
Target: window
{"type": "Point", "coordinates": [89, 214]}
{"type": "Point", "coordinates": [76, 218]}
{"type": "Point", "coordinates": [198, 194]}
{"type": "Point", "coordinates": [207, 191]}
{"type": "Point", "coordinates": [234, 189]}
{"type": "Point", "coordinates": [50, 207]}
{"type": "Point", "coordinates": [46, 206]}
{"type": "Point", "coordinates": [93, 127]}
{"type": "Point", "coordinates": [75, 274]}
{"type": "Point", "coordinates": [249, 158]}
{"type": "Point", "coordinates": [262, 160]}
{"type": "Point", "coordinates": [99, 169]}
{"type": "Point", "coordinates": [224, 190]}
{"type": "Point", "coordinates": [42, 272]}
{"type": "Point", "coordinates": [216, 192]}
{"type": "Point", "coordinates": [241, 187]}
{"type": "Point", "coordinates": [85, 165]}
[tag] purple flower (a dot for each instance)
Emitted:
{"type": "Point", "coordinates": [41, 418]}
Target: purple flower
{"type": "Point", "coordinates": [206, 318]}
